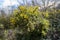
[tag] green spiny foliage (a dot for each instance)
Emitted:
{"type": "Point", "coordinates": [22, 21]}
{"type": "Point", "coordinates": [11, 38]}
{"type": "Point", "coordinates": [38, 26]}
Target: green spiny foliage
{"type": "Point", "coordinates": [30, 23]}
{"type": "Point", "coordinates": [30, 20]}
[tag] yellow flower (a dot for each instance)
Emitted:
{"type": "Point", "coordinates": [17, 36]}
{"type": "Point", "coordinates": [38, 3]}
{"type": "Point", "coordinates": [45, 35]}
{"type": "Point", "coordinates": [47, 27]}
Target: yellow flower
{"type": "Point", "coordinates": [30, 9]}
{"type": "Point", "coordinates": [43, 32]}
{"type": "Point", "coordinates": [22, 8]}
{"type": "Point", "coordinates": [46, 22]}
{"type": "Point", "coordinates": [12, 20]}
{"type": "Point", "coordinates": [46, 14]}
{"type": "Point", "coordinates": [36, 13]}
{"type": "Point", "coordinates": [26, 16]}
{"type": "Point", "coordinates": [22, 15]}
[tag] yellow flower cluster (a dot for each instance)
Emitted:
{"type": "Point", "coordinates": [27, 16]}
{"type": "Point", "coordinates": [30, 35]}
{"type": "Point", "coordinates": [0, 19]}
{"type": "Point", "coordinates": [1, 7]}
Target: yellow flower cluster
{"type": "Point", "coordinates": [22, 8]}
{"type": "Point", "coordinates": [44, 33]}
{"type": "Point", "coordinates": [12, 20]}
{"type": "Point", "coordinates": [24, 15]}
{"type": "Point", "coordinates": [46, 24]}
{"type": "Point", "coordinates": [46, 14]}
{"type": "Point", "coordinates": [32, 9]}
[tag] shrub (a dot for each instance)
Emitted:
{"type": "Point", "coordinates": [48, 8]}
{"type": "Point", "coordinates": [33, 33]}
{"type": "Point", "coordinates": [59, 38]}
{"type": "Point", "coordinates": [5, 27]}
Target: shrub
{"type": "Point", "coordinates": [30, 21]}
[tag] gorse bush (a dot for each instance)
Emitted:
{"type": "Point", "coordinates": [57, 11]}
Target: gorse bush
{"type": "Point", "coordinates": [29, 23]}
{"type": "Point", "coordinates": [30, 20]}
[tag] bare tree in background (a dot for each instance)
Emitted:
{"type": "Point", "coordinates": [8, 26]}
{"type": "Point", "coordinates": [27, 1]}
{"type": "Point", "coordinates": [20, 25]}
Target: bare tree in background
{"type": "Point", "coordinates": [44, 4]}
